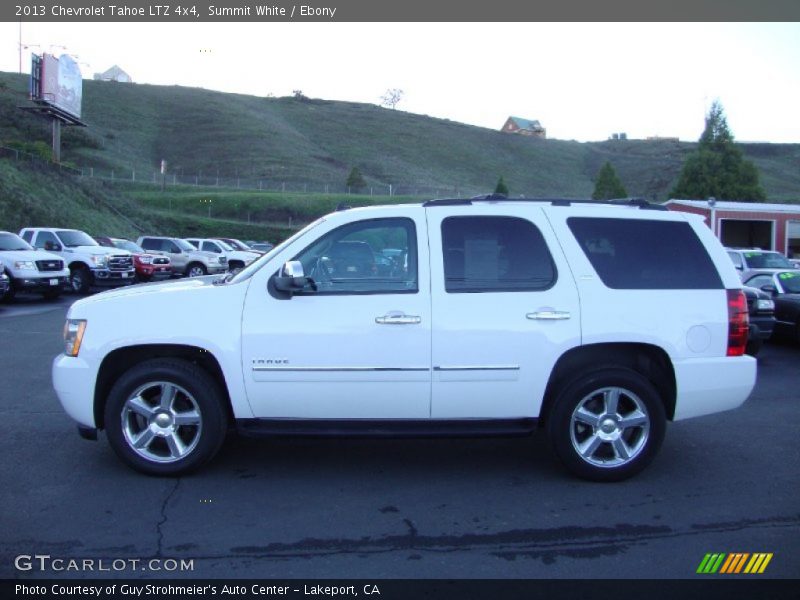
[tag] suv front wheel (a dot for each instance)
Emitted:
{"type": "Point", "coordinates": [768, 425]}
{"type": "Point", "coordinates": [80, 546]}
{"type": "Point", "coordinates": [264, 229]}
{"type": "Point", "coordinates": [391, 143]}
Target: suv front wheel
{"type": "Point", "coordinates": [165, 417]}
{"type": "Point", "coordinates": [607, 425]}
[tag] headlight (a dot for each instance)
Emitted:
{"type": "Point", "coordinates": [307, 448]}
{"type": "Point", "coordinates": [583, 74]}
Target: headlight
{"type": "Point", "coordinates": [765, 304]}
{"type": "Point", "coordinates": [100, 261]}
{"type": "Point", "coordinates": [145, 260]}
{"type": "Point", "coordinates": [73, 336]}
{"type": "Point", "coordinates": [25, 264]}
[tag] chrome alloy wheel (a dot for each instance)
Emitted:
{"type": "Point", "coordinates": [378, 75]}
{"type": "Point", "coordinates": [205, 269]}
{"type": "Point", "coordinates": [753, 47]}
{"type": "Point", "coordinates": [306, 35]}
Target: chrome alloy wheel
{"type": "Point", "coordinates": [609, 427]}
{"type": "Point", "coordinates": [161, 422]}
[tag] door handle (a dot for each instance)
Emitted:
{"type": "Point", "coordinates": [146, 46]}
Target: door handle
{"type": "Point", "coordinates": [549, 315]}
{"type": "Point", "coordinates": [398, 319]}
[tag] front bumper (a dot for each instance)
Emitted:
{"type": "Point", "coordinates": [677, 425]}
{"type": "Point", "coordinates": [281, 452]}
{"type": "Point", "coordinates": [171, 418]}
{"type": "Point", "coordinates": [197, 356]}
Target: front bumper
{"type": "Point", "coordinates": [762, 325]}
{"type": "Point", "coordinates": [40, 284]}
{"type": "Point", "coordinates": [155, 273]}
{"type": "Point", "coordinates": [105, 277]}
{"type": "Point", "coordinates": [73, 381]}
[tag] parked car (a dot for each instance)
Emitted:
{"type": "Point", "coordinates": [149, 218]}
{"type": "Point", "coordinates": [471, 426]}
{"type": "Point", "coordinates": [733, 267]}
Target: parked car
{"type": "Point", "coordinates": [784, 286]}
{"type": "Point", "coordinates": [595, 322]}
{"type": "Point", "coordinates": [260, 246]}
{"type": "Point", "coordinates": [238, 245]}
{"type": "Point", "coordinates": [149, 267]}
{"type": "Point", "coordinates": [185, 259]}
{"type": "Point", "coordinates": [88, 262]}
{"type": "Point", "coordinates": [761, 309]}
{"type": "Point", "coordinates": [237, 260]}
{"type": "Point", "coordinates": [30, 270]}
{"type": "Point", "coordinates": [4, 283]}
{"type": "Point", "coordinates": [749, 261]}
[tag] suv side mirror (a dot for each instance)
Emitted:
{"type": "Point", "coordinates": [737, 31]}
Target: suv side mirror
{"type": "Point", "coordinates": [292, 278]}
{"type": "Point", "coordinates": [52, 246]}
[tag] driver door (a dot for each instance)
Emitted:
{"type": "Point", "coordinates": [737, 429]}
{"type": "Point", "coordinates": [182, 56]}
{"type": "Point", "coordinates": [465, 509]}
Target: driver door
{"type": "Point", "coordinates": [356, 347]}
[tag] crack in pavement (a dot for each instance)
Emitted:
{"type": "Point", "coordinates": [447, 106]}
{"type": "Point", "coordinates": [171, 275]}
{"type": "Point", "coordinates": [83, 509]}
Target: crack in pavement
{"type": "Point", "coordinates": [160, 524]}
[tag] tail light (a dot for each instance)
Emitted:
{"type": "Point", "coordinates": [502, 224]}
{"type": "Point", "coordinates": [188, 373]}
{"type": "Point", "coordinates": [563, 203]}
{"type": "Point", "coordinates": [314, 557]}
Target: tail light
{"type": "Point", "coordinates": [738, 322]}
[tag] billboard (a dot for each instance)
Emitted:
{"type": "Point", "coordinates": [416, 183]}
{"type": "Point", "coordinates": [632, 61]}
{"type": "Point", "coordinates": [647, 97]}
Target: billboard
{"type": "Point", "coordinates": [57, 82]}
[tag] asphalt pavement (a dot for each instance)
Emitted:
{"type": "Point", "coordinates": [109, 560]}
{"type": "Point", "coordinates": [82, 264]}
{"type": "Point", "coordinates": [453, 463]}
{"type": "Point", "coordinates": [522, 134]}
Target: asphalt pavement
{"type": "Point", "coordinates": [464, 508]}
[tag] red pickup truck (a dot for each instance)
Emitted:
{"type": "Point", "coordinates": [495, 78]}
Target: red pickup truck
{"type": "Point", "coordinates": [149, 267]}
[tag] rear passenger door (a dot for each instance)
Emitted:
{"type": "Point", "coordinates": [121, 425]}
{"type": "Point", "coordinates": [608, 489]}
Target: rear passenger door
{"type": "Point", "coordinates": [505, 307]}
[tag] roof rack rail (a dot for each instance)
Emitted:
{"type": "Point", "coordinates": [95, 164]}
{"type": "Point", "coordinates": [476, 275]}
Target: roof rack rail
{"type": "Point", "coordinates": [633, 202]}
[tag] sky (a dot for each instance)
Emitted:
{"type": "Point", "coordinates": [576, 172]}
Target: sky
{"type": "Point", "coordinates": [582, 81]}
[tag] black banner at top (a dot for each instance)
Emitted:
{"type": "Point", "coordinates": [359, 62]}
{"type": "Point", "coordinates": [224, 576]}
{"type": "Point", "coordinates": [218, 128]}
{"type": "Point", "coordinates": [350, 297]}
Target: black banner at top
{"type": "Point", "coordinates": [188, 11]}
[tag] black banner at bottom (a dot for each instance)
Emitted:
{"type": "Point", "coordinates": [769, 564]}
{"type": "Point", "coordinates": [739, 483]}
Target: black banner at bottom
{"type": "Point", "coordinates": [391, 589]}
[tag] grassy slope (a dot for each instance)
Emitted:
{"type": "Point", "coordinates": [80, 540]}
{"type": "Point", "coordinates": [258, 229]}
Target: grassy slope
{"type": "Point", "coordinates": [314, 141]}
{"type": "Point", "coordinates": [44, 197]}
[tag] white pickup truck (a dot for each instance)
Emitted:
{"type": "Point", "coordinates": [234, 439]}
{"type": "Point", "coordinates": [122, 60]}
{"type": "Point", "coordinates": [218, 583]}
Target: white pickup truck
{"type": "Point", "coordinates": [31, 270]}
{"type": "Point", "coordinates": [88, 262]}
{"type": "Point", "coordinates": [594, 322]}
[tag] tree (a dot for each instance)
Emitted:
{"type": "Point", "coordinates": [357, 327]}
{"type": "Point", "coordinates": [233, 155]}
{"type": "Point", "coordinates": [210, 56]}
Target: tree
{"type": "Point", "coordinates": [608, 185]}
{"type": "Point", "coordinates": [392, 97]}
{"type": "Point", "coordinates": [718, 168]}
{"type": "Point", "coordinates": [356, 181]}
{"type": "Point", "coordinates": [501, 187]}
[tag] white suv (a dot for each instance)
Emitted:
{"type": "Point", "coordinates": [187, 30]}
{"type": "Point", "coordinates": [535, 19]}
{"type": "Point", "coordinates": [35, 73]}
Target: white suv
{"type": "Point", "coordinates": [597, 323]}
{"type": "Point", "coordinates": [237, 259]}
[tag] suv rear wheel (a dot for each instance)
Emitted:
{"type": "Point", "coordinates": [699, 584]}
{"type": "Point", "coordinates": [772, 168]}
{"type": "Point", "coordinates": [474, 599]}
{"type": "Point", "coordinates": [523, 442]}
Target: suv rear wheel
{"type": "Point", "coordinates": [607, 425]}
{"type": "Point", "coordinates": [165, 417]}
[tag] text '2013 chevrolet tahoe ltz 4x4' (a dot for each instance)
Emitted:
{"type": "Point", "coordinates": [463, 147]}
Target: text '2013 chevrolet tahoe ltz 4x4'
{"type": "Point", "coordinates": [596, 323]}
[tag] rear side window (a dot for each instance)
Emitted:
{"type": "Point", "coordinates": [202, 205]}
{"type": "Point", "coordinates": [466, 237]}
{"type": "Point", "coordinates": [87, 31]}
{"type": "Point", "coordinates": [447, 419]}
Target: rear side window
{"type": "Point", "coordinates": [151, 244]}
{"type": "Point", "coordinates": [495, 254]}
{"type": "Point", "coordinates": [636, 254]}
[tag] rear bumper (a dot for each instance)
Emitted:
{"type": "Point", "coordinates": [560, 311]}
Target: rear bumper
{"type": "Point", "coordinates": [710, 385]}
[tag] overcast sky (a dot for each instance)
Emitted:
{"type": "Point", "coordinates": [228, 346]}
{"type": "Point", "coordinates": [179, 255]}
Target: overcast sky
{"type": "Point", "coordinates": [582, 81]}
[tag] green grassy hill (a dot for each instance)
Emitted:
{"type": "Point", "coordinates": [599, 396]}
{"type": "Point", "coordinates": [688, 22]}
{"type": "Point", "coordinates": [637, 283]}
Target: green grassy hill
{"type": "Point", "coordinates": [317, 142]}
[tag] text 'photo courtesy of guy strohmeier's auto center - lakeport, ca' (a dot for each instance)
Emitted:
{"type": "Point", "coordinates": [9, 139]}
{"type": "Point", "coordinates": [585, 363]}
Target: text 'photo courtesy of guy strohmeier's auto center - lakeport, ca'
{"type": "Point", "coordinates": [310, 309]}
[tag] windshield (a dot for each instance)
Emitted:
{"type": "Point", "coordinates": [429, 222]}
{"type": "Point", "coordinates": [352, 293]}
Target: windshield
{"type": "Point", "coordinates": [11, 241]}
{"type": "Point", "coordinates": [185, 246]}
{"type": "Point", "coordinates": [129, 246]}
{"type": "Point", "coordinates": [237, 244]}
{"type": "Point", "coordinates": [72, 239]}
{"type": "Point", "coordinates": [790, 282]}
{"type": "Point", "coordinates": [254, 266]}
{"type": "Point", "coordinates": [766, 260]}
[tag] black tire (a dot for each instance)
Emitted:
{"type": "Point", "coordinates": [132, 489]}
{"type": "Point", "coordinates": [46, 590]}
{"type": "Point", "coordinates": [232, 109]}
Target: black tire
{"type": "Point", "coordinates": [197, 400]}
{"type": "Point", "coordinates": [567, 430]}
{"type": "Point", "coordinates": [11, 292]}
{"type": "Point", "coordinates": [51, 295]}
{"type": "Point", "coordinates": [235, 266]}
{"type": "Point", "coordinates": [754, 342]}
{"type": "Point", "coordinates": [196, 270]}
{"type": "Point", "coordinates": [80, 279]}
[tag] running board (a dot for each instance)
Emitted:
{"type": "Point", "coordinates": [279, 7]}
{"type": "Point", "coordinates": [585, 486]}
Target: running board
{"type": "Point", "coordinates": [376, 428]}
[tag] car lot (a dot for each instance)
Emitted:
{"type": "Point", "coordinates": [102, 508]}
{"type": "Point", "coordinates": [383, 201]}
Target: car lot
{"type": "Point", "coordinates": [395, 508]}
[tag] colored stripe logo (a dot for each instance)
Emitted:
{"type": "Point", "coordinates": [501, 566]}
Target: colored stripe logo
{"type": "Point", "coordinates": [731, 563]}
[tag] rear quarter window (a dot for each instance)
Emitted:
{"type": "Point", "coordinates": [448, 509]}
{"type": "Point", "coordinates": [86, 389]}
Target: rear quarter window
{"type": "Point", "coordinates": [637, 254]}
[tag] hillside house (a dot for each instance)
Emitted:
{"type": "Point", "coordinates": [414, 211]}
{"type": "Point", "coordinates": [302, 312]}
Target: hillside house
{"type": "Point", "coordinates": [114, 74]}
{"type": "Point", "coordinates": [524, 127]}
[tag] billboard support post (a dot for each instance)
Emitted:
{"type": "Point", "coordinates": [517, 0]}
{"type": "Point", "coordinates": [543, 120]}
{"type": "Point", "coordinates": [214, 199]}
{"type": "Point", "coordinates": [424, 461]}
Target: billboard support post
{"type": "Point", "coordinates": [56, 140]}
